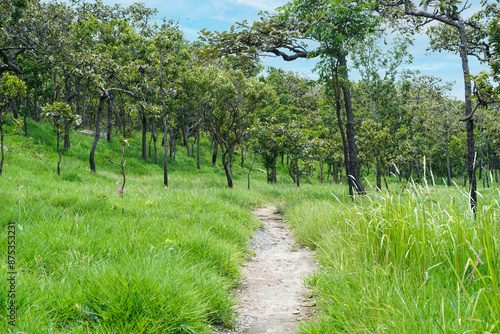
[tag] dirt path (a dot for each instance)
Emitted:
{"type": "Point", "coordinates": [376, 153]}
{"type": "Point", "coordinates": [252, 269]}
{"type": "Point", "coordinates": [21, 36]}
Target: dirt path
{"type": "Point", "coordinates": [271, 295]}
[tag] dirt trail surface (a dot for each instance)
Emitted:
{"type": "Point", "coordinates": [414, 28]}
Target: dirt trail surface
{"type": "Point", "coordinates": [272, 298]}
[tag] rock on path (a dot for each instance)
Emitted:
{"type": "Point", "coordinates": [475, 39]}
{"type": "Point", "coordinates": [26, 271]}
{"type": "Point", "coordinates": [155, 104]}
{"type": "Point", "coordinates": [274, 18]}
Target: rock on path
{"type": "Point", "coordinates": [271, 296]}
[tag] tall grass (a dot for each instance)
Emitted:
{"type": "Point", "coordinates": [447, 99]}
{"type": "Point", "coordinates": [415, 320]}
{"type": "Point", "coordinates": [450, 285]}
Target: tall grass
{"type": "Point", "coordinates": [409, 263]}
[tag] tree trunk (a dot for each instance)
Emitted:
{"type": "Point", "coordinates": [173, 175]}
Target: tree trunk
{"type": "Point", "coordinates": [336, 88]}
{"type": "Point", "coordinates": [198, 165]}
{"type": "Point", "coordinates": [59, 153]}
{"type": "Point", "coordinates": [78, 97]}
{"type": "Point", "coordinates": [242, 156]}
{"type": "Point", "coordinates": [215, 152]}
{"type": "Point", "coordinates": [144, 121]}
{"type": "Point", "coordinates": [150, 140]}
{"type": "Point", "coordinates": [97, 135]}
{"type": "Point", "coordinates": [153, 135]}
{"type": "Point", "coordinates": [354, 176]}
{"type": "Point", "coordinates": [321, 168]}
{"type": "Point", "coordinates": [225, 162]}
{"type": "Point", "coordinates": [469, 123]}
{"type": "Point", "coordinates": [165, 150]}
{"type": "Point", "coordinates": [15, 111]}
{"type": "Point", "coordinates": [379, 177]}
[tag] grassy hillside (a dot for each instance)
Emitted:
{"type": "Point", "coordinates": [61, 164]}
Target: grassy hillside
{"type": "Point", "coordinates": [87, 259]}
{"type": "Point", "coordinates": [165, 260]}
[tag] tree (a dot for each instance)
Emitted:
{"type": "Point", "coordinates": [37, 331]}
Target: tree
{"type": "Point", "coordinates": [61, 117]}
{"type": "Point", "coordinates": [123, 144]}
{"type": "Point", "coordinates": [378, 71]}
{"type": "Point", "coordinates": [447, 13]}
{"type": "Point", "coordinates": [334, 24]}
{"type": "Point", "coordinates": [166, 68]}
{"type": "Point", "coordinates": [11, 87]}
{"type": "Point", "coordinates": [226, 98]}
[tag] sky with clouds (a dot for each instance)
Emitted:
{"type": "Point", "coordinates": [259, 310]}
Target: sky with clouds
{"type": "Point", "coordinates": [194, 15]}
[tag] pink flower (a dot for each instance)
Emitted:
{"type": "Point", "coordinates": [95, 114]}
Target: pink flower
{"type": "Point", "coordinates": [18, 185]}
{"type": "Point", "coordinates": [196, 181]}
{"type": "Point", "coordinates": [10, 178]}
{"type": "Point", "coordinates": [120, 191]}
{"type": "Point", "coordinates": [96, 182]}
{"type": "Point", "coordinates": [140, 191]}
{"type": "Point", "coordinates": [165, 187]}
{"type": "Point", "coordinates": [182, 185]}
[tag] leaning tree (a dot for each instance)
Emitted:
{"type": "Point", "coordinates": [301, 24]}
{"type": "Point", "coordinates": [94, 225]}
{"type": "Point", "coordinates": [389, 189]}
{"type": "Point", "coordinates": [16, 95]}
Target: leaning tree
{"type": "Point", "coordinates": [455, 32]}
{"type": "Point", "coordinates": [334, 25]}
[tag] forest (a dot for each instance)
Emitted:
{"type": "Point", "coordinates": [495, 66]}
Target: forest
{"type": "Point", "coordinates": [131, 156]}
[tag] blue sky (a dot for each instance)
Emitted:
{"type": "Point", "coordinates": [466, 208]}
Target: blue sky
{"type": "Point", "coordinates": [194, 15]}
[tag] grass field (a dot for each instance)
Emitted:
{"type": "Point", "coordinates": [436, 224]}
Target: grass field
{"type": "Point", "coordinates": [165, 260]}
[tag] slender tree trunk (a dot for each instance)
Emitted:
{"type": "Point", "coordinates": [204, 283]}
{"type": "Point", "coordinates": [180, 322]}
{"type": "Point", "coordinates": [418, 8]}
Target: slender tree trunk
{"type": "Point", "coordinates": [321, 168]}
{"type": "Point", "coordinates": [338, 106]}
{"type": "Point", "coordinates": [215, 152]}
{"type": "Point", "coordinates": [144, 122]}
{"type": "Point", "coordinates": [354, 177]}
{"type": "Point", "coordinates": [198, 165]}
{"type": "Point", "coordinates": [225, 162]}
{"type": "Point", "coordinates": [469, 123]}
{"type": "Point", "coordinates": [379, 177]}
{"type": "Point", "coordinates": [97, 135]}
{"type": "Point", "coordinates": [165, 150]}
{"type": "Point", "coordinates": [59, 153]}
{"type": "Point", "coordinates": [78, 97]}
{"type": "Point", "coordinates": [242, 156]}
{"type": "Point", "coordinates": [15, 111]}
{"type": "Point", "coordinates": [153, 135]}
{"type": "Point", "coordinates": [192, 145]}
{"type": "Point", "coordinates": [150, 140]}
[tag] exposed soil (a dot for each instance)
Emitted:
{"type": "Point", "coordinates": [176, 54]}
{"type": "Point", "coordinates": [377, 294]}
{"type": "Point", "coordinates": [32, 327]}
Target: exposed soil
{"type": "Point", "coordinates": [272, 297]}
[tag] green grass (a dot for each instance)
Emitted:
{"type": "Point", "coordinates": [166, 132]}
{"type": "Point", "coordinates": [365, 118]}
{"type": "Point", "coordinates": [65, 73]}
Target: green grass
{"type": "Point", "coordinates": [403, 263]}
{"type": "Point", "coordinates": [155, 261]}
{"type": "Point", "coordinates": [166, 260]}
